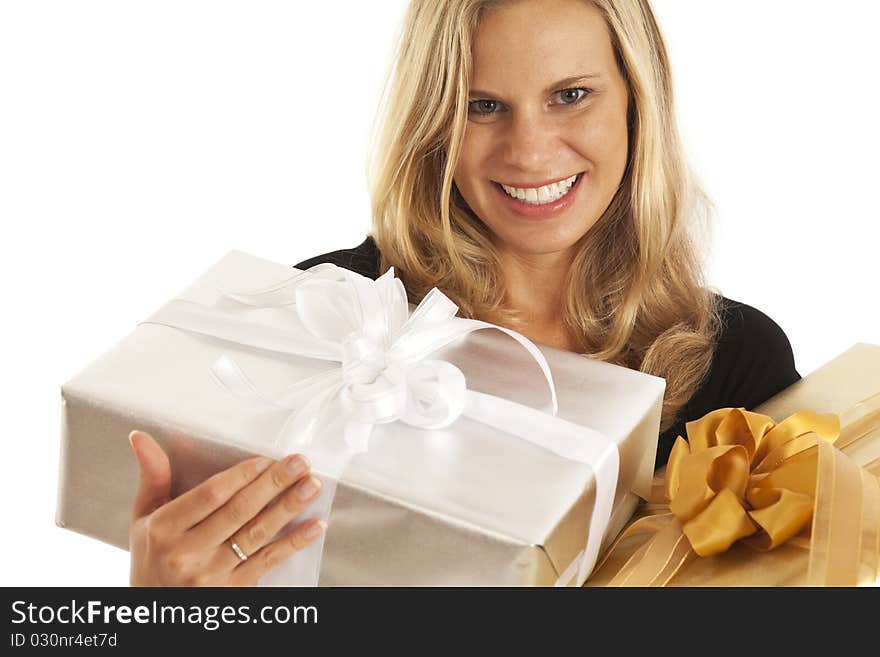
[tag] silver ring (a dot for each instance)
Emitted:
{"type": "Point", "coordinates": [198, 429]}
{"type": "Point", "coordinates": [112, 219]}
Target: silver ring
{"type": "Point", "coordinates": [238, 551]}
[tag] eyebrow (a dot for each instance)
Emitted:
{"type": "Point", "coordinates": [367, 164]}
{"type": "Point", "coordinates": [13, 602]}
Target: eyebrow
{"type": "Point", "coordinates": [556, 85]}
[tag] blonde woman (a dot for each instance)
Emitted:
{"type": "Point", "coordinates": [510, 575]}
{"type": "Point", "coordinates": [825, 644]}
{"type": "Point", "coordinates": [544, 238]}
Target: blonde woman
{"type": "Point", "coordinates": [529, 166]}
{"type": "Point", "coordinates": [497, 99]}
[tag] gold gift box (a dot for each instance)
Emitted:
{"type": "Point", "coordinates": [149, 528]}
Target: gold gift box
{"type": "Point", "coordinates": [485, 508]}
{"type": "Point", "coordinates": [849, 387]}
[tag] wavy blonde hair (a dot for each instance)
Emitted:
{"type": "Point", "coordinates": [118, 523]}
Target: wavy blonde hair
{"type": "Point", "coordinates": [635, 295]}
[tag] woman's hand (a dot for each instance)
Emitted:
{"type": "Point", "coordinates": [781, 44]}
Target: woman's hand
{"type": "Point", "coordinates": [188, 541]}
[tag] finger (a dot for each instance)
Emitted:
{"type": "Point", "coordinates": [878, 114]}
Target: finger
{"type": "Point", "coordinates": [266, 525]}
{"type": "Point", "coordinates": [198, 503]}
{"type": "Point", "coordinates": [154, 487]}
{"type": "Point", "coordinates": [249, 501]}
{"type": "Point", "coordinates": [267, 558]}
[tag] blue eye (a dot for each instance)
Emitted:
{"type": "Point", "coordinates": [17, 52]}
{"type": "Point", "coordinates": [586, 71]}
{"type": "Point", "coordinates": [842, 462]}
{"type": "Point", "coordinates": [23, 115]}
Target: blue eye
{"type": "Point", "coordinates": [573, 100]}
{"type": "Point", "coordinates": [483, 107]}
{"type": "Point", "coordinates": [486, 107]}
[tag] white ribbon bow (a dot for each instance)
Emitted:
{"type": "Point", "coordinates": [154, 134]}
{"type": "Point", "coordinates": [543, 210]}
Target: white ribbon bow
{"type": "Point", "coordinates": [385, 376]}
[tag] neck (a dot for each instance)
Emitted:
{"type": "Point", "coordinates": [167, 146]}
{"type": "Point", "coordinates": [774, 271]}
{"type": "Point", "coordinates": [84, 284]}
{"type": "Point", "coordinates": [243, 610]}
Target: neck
{"type": "Point", "coordinates": [534, 285]}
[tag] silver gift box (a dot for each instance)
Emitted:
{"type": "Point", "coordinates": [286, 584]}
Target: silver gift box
{"type": "Point", "coordinates": [468, 505]}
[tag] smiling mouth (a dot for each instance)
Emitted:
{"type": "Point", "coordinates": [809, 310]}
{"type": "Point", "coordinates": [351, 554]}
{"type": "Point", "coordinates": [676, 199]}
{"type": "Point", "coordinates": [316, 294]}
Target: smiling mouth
{"type": "Point", "coordinates": [542, 195]}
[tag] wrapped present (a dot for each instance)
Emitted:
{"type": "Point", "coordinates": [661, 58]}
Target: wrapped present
{"type": "Point", "coordinates": [785, 495]}
{"type": "Point", "coordinates": [449, 455]}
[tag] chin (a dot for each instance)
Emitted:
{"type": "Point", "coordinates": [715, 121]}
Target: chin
{"type": "Point", "coordinates": [539, 238]}
{"type": "Point", "coordinates": [544, 245]}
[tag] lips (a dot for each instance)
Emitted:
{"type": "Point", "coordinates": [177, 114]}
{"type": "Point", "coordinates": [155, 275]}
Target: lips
{"type": "Point", "coordinates": [549, 210]}
{"type": "Point", "coordinates": [544, 194]}
{"type": "Point", "coordinates": [537, 185]}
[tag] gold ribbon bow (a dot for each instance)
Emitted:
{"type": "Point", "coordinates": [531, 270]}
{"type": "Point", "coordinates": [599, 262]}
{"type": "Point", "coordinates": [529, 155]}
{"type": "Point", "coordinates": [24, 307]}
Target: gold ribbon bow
{"type": "Point", "coordinates": [742, 476]}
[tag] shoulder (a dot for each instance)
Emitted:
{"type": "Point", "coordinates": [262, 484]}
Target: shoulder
{"type": "Point", "coordinates": [753, 361]}
{"type": "Point", "coordinates": [362, 259]}
{"type": "Point", "coordinates": [753, 358]}
{"type": "Point", "coordinates": [745, 324]}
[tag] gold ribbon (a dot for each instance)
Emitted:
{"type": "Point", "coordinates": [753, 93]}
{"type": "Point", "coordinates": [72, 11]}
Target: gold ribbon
{"type": "Point", "coordinates": [740, 477]}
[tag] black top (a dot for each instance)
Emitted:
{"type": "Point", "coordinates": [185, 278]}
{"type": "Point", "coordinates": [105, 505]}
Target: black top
{"type": "Point", "coordinates": [752, 363]}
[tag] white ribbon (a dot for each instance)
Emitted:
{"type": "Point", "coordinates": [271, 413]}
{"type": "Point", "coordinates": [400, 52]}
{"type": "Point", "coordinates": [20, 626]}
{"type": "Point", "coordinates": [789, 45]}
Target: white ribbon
{"type": "Point", "coordinates": [385, 376]}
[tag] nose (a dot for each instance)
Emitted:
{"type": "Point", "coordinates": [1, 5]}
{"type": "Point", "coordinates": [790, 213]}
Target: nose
{"type": "Point", "coordinates": [531, 143]}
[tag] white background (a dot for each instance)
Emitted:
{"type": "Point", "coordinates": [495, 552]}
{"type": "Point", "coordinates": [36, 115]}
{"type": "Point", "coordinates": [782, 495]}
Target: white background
{"type": "Point", "coordinates": [139, 141]}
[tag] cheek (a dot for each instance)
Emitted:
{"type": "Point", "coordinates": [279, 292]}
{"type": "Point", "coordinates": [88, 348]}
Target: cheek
{"type": "Point", "coordinates": [606, 139]}
{"type": "Point", "coordinates": [463, 177]}
{"type": "Point", "coordinates": [471, 170]}
{"type": "Point", "coordinates": [473, 152]}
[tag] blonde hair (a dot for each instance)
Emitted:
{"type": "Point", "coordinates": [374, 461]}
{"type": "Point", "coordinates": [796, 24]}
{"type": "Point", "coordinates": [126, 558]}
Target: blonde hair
{"type": "Point", "coordinates": [635, 295]}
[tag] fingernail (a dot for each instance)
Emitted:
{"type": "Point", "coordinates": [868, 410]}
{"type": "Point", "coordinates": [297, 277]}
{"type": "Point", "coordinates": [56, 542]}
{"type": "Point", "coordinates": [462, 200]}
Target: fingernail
{"type": "Point", "coordinates": [262, 464]}
{"type": "Point", "coordinates": [297, 465]}
{"type": "Point", "coordinates": [130, 436]}
{"type": "Point", "coordinates": [314, 530]}
{"type": "Point", "coordinates": [308, 487]}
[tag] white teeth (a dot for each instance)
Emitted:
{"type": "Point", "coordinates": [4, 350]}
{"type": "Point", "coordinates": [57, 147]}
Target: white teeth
{"type": "Point", "coordinates": [541, 195]}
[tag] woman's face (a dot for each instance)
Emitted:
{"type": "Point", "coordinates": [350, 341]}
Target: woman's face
{"type": "Point", "coordinates": [547, 103]}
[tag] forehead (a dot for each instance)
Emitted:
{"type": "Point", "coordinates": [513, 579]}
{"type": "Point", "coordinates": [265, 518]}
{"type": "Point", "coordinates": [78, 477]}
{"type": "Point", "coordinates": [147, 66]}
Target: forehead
{"type": "Point", "coordinates": [527, 42]}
